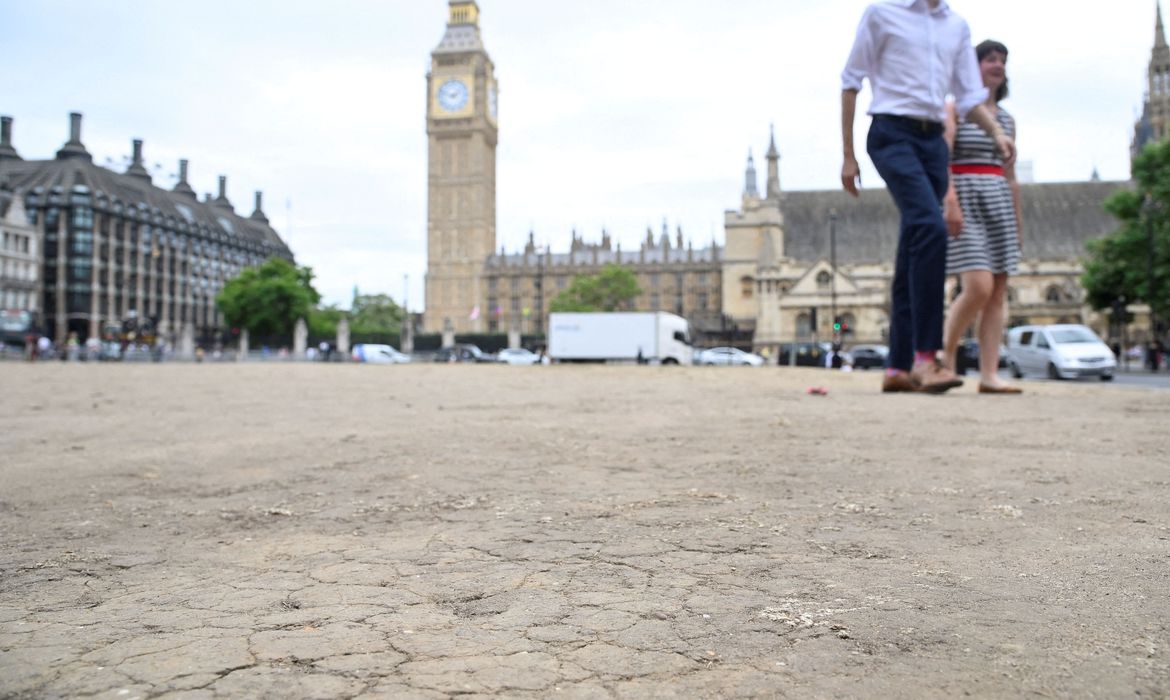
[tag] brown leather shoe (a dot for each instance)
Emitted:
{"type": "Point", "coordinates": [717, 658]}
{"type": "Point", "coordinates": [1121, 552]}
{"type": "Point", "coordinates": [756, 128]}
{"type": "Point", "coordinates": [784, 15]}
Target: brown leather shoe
{"type": "Point", "coordinates": [933, 378]}
{"type": "Point", "coordinates": [1001, 389]}
{"type": "Point", "coordinates": [898, 383]}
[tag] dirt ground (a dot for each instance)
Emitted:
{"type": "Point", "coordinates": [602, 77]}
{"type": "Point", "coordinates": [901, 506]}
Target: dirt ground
{"type": "Point", "coordinates": [338, 531]}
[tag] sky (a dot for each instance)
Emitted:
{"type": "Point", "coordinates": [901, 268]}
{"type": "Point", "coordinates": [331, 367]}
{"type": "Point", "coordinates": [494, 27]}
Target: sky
{"type": "Point", "coordinates": [613, 115]}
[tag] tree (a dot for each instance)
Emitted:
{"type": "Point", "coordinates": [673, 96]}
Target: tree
{"type": "Point", "coordinates": [268, 299]}
{"type": "Point", "coordinates": [1119, 265]}
{"type": "Point", "coordinates": [612, 289]}
{"type": "Point", "coordinates": [323, 321]}
{"type": "Point", "coordinates": [376, 313]}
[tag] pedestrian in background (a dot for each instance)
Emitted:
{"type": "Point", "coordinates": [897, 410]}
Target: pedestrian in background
{"type": "Point", "coordinates": [914, 53]}
{"type": "Point", "coordinates": [982, 212]}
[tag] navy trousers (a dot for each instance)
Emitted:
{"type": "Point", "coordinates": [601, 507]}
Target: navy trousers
{"type": "Point", "coordinates": [914, 160]}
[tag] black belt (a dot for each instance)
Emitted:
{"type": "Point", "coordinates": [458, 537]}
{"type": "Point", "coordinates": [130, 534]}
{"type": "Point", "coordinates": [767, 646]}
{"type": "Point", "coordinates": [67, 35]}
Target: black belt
{"type": "Point", "coordinates": [926, 126]}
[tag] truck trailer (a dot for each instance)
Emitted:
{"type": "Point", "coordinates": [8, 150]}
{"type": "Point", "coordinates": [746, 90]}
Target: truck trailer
{"type": "Point", "coordinates": [654, 337]}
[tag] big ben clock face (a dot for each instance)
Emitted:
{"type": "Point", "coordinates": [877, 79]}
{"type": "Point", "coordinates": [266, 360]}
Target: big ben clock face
{"type": "Point", "coordinates": [453, 95]}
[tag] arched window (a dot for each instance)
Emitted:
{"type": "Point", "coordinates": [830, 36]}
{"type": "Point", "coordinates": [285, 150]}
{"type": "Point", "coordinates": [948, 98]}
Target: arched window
{"type": "Point", "coordinates": [746, 286]}
{"type": "Point", "coordinates": [824, 279]}
{"type": "Point", "coordinates": [1054, 295]}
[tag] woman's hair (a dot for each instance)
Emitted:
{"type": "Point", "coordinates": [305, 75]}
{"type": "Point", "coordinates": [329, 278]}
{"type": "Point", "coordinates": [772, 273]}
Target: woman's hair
{"type": "Point", "coordinates": [993, 46]}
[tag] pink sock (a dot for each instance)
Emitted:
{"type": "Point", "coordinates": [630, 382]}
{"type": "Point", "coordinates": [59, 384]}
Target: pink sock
{"type": "Point", "coordinates": [894, 371]}
{"type": "Point", "coordinates": [924, 356]}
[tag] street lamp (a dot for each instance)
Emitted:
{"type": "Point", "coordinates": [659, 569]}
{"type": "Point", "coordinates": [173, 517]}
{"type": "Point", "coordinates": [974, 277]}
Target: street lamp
{"type": "Point", "coordinates": [1149, 208]}
{"type": "Point", "coordinates": [833, 267]}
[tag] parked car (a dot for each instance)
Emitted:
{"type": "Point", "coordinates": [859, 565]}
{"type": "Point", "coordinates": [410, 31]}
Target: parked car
{"type": "Point", "coordinates": [517, 356]}
{"type": "Point", "coordinates": [967, 357]}
{"type": "Point", "coordinates": [1061, 351]}
{"type": "Point", "coordinates": [463, 352]}
{"type": "Point", "coordinates": [729, 356]}
{"type": "Point", "coordinates": [869, 356]}
{"type": "Point", "coordinates": [376, 354]}
{"type": "Point", "coordinates": [807, 354]}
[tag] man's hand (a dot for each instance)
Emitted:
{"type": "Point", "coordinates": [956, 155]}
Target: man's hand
{"type": "Point", "coordinates": [953, 215]}
{"type": "Point", "coordinates": [1006, 148]}
{"type": "Point", "coordinates": [851, 176]}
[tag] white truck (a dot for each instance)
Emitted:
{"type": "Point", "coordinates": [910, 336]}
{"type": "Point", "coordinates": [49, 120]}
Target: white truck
{"type": "Point", "coordinates": [653, 337]}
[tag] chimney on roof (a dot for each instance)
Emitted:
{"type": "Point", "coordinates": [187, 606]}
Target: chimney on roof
{"type": "Point", "coordinates": [183, 187]}
{"type": "Point", "coordinates": [137, 169]}
{"type": "Point", "coordinates": [74, 148]}
{"type": "Point", "coordinates": [258, 214]}
{"type": "Point", "coordinates": [222, 200]}
{"type": "Point", "coordinates": [7, 152]}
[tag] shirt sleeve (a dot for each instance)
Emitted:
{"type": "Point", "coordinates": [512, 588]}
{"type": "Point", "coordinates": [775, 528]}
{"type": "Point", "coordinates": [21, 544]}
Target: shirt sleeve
{"type": "Point", "coordinates": [860, 62]}
{"type": "Point", "coordinates": [967, 83]}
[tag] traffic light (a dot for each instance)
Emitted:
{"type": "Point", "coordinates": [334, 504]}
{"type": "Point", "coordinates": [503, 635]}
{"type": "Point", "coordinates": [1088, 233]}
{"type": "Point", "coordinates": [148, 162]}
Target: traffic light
{"type": "Point", "coordinates": [837, 325]}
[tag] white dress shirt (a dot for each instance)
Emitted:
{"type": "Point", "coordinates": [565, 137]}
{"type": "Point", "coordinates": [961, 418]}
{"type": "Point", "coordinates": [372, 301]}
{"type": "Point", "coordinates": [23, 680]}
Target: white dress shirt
{"type": "Point", "coordinates": [914, 57]}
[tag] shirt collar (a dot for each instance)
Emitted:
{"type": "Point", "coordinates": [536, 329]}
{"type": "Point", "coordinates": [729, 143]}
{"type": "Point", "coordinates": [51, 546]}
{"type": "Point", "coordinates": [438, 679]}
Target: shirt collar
{"type": "Point", "coordinates": [943, 7]}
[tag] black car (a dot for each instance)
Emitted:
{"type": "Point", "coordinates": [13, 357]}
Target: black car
{"type": "Point", "coordinates": [463, 352]}
{"type": "Point", "coordinates": [868, 356]}
{"type": "Point", "coordinates": [968, 357]}
{"type": "Point", "coordinates": [807, 354]}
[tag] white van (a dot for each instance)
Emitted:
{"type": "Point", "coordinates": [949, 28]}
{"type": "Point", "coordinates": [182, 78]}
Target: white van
{"type": "Point", "coordinates": [376, 354]}
{"type": "Point", "coordinates": [1062, 351]}
{"type": "Point", "coordinates": [655, 337]}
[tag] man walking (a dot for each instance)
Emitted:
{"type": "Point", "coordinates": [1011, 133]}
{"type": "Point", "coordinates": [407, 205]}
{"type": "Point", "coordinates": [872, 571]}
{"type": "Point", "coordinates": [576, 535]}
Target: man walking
{"type": "Point", "coordinates": [914, 53]}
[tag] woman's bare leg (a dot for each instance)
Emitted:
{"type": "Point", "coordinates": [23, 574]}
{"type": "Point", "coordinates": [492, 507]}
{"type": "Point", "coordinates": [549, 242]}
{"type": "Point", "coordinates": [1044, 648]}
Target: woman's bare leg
{"type": "Point", "coordinates": [991, 323]}
{"type": "Point", "coordinates": [977, 287]}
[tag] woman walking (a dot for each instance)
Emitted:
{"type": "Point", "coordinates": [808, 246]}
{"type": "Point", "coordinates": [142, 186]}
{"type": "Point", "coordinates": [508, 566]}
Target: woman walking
{"type": "Point", "coordinates": [982, 211]}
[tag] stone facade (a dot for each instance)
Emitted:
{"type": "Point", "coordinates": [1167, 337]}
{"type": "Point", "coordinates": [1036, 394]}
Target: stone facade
{"type": "Point", "coordinates": [115, 246]}
{"type": "Point", "coordinates": [461, 187]}
{"type": "Point", "coordinates": [1154, 124]}
{"type": "Point", "coordinates": [20, 257]}
{"type": "Point", "coordinates": [779, 272]}
{"type": "Point", "coordinates": [673, 276]}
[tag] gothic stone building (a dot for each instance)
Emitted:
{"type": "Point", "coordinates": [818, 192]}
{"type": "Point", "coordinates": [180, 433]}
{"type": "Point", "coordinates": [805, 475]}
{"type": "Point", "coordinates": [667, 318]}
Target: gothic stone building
{"type": "Point", "coordinates": [759, 289]}
{"type": "Point", "coordinates": [114, 246]}
{"type": "Point", "coordinates": [1154, 124]}
{"type": "Point", "coordinates": [19, 246]}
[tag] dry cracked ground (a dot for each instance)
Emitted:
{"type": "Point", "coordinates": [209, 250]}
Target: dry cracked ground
{"type": "Point", "coordinates": [314, 531]}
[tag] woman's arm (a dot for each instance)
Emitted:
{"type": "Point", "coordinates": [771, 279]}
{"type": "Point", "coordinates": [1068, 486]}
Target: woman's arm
{"type": "Point", "coordinates": [952, 212]}
{"type": "Point", "coordinates": [1009, 171]}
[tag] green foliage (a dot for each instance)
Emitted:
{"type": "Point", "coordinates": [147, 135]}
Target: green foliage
{"type": "Point", "coordinates": [376, 313]}
{"type": "Point", "coordinates": [323, 322]}
{"type": "Point", "coordinates": [269, 298]}
{"type": "Point", "coordinates": [614, 288]}
{"type": "Point", "coordinates": [1119, 264]}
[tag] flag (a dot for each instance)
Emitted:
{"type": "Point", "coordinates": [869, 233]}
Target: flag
{"type": "Point", "coordinates": [474, 313]}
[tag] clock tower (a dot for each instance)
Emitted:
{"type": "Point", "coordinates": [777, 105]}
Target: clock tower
{"type": "Point", "coordinates": [461, 173]}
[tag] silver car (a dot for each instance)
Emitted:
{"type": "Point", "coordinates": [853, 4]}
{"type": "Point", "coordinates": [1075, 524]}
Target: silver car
{"type": "Point", "coordinates": [1062, 351]}
{"type": "Point", "coordinates": [517, 356]}
{"type": "Point", "coordinates": [729, 356]}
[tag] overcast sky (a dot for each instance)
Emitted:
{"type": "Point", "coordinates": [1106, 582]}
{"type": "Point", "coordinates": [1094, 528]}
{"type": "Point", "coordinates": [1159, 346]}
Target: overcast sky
{"type": "Point", "coordinates": [612, 114]}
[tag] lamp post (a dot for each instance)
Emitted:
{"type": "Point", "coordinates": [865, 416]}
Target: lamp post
{"type": "Point", "coordinates": [833, 267]}
{"type": "Point", "coordinates": [1149, 207]}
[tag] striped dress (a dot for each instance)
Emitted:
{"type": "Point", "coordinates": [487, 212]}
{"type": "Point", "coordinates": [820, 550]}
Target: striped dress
{"type": "Point", "coordinates": [989, 238]}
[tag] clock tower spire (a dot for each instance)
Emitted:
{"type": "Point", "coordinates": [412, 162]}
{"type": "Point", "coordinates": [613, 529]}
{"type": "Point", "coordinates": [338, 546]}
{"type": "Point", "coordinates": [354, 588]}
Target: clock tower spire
{"type": "Point", "coordinates": [461, 172]}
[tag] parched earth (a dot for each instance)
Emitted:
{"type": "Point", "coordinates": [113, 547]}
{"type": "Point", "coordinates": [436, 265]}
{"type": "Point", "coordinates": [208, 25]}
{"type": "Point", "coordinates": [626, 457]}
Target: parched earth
{"type": "Point", "coordinates": [336, 531]}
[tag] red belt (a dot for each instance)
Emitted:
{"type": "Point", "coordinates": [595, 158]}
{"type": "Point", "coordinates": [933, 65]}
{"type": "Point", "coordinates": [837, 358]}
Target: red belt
{"type": "Point", "coordinates": [977, 170]}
